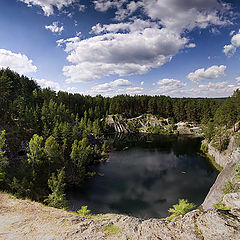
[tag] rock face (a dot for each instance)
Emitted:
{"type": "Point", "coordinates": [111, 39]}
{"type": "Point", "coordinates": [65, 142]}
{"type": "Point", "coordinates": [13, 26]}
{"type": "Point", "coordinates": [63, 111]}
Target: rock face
{"type": "Point", "coordinates": [228, 160]}
{"type": "Point", "coordinates": [21, 219]}
{"type": "Point", "coordinates": [142, 124]}
{"type": "Point", "coordinates": [232, 199]}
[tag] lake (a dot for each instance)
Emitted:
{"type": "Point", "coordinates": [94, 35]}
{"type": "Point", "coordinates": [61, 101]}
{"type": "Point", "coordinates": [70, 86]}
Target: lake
{"type": "Point", "coordinates": [147, 177]}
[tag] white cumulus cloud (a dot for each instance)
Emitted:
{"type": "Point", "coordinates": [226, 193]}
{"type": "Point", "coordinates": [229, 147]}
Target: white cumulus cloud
{"type": "Point", "coordinates": [176, 15]}
{"type": "Point", "coordinates": [48, 5]}
{"type": "Point", "coordinates": [119, 53]}
{"type": "Point", "coordinates": [230, 49]}
{"type": "Point", "coordinates": [55, 28]}
{"type": "Point", "coordinates": [48, 84]}
{"type": "Point", "coordinates": [110, 86]}
{"type": "Point", "coordinates": [213, 72]}
{"type": "Point", "coordinates": [167, 86]}
{"type": "Point", "coordinates": [16, 61]}
{"type": "Point", "coordinates": [237, 80]}
{"type": "Point", "coordinates": [134, 90]}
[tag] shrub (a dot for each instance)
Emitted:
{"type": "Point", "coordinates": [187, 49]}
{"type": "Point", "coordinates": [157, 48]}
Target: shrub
{"type": "Point", "coordinates": [229, 187]}
{"type": "Point", "coordinates": [221, 206]}
{"type": "Point", "coordinates": [204, 148]}
{"type": "Point", "coordinates": [84, 211]}
{"type": "Point", "coordinates": [237, 172]}
{"type": "Point", "coordinates": [181, 208]}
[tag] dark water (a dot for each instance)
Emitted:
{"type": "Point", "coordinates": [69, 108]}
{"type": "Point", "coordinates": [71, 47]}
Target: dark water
{"type": "Point", "coordinates": [147, 178]}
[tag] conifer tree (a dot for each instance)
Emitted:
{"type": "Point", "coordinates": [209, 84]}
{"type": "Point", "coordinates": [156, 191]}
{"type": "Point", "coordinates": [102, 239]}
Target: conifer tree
{"type": "Point", "coordinates": [57, 197]}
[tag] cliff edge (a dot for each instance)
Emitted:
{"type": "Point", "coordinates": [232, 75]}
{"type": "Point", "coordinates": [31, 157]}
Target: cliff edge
{"type": "Point", "coordinates": [23, 219]}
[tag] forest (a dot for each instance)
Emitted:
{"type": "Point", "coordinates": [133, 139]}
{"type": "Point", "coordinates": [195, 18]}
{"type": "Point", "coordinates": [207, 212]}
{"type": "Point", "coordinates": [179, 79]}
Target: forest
{"type": "Point", "coordinates": [49, 139]}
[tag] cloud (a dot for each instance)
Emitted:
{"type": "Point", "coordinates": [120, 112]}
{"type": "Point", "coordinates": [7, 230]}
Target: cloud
{"type": "Point", "coordinates": [55, 86]}
{"type": "Point", "coordinates": [131, 26]}
{"type": "Point", "coordinates": [71, 89]}
{"type": "Point", "coordinates": [16, 61]}
{"type": "Point", "coordinates": [48, 84]}
{"type": "Point", "coordinates": [167, 86]}
{"type": "Point", "coordinates": [191, 45]}
{"type": "Point", "coordinates": [55, 28]}
{"type": "Point", "coordinates": [230, 49]}
{"type": "Point", "coordinates": [110, 86]}
{"type": "Point", "coordinates": [176, 15]}
{"type": "Point", "coordinates": [216, 89]}
{"type": "Point", "coordinates": [119, 53]}
{"type": "Point", "coordinates": [237, 80]}
{"type": "Point", "coordinates": [134, 90]}
{"type": "Point", "coordinates": [48, 5]}
{"type": "Point", "coordinates": [136, 45]}
{"type": "Point", "coordinates": [213, 72]}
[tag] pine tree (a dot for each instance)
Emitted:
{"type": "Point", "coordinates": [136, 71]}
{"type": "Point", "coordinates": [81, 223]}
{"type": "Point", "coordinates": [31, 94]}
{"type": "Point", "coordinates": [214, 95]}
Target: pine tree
{"type": "Point", "coordinates": [52, 151]}
{"type": "Point", "coordinates": [57, 185]}
{"type": "Point", "coordinates": [3, 159]}
{"type": "Point", "coordinates": [36, 152]}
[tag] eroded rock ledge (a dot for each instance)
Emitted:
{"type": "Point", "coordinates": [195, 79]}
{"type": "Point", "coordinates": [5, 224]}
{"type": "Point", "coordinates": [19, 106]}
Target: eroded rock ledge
{"type": "Point", "coordinates": [22, 219]}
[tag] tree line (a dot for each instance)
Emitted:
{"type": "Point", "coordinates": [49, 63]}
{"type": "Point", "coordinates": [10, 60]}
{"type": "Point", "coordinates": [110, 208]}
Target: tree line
{"type": "Point", "coordinates": [62, 134]}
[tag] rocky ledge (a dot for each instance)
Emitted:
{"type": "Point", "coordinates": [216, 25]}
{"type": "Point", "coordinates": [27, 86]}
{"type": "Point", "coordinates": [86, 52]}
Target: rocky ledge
{"type": "Point", "coordinates": [22, 219]}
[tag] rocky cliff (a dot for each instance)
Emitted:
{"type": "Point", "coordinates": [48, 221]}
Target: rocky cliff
{"type": "Point", "coordinates": [22, 219]}
{"type": "Point", "coordinates": [229, 160]}
{"type": "Point", "coordinates": [148, 123]}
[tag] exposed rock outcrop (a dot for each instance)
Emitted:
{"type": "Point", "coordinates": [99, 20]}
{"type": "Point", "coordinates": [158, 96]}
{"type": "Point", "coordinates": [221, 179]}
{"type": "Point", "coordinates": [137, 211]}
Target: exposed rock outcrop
{"type": "Point", "coordinates": [21, 219]}
{"type": "Point", "coordinates": [146, 123]}
{"type": "Point", "coordinates": [228, 160]}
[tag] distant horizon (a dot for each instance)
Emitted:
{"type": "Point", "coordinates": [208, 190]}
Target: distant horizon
{"type": "Point", "coordinates": [179, 48]}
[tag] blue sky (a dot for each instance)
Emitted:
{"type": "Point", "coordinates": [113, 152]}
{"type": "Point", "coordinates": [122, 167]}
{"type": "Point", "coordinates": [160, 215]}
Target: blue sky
{"type": "Point", "coordinates": [179, 48]}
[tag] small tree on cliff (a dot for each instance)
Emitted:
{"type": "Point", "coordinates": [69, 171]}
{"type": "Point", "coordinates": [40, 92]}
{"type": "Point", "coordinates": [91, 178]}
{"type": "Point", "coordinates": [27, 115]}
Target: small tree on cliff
{"type": "Point", "coordinates": [181, 208]}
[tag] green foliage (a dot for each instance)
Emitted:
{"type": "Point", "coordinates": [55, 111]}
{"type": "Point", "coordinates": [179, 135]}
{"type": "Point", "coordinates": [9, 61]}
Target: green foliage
{"type": "Point", "coordinates": [111, 229]}
{"type": "Point", "coordinates": [204, 148]}
{"type": "Point", "coordinates": [221, 206]}
{"type": "Point", "coordinates": [57, 185]}
{"type": "Point", "coordinates": [3, 159]}
{"type": "Point", "coordinates": [20, 188]}
{"type": "Point", "coordinates": [84, 211]}
{"type": "Point", "coordinates": [221, 139]}
{"type": "Point", "coordinates": [229, 187]}
{"type": "Point", "coordinates": [181, 208]}
{"type": "Point", "coordinates": [36, 151]}
{"type": "Point", "coordinates": [237, 172]}
{"type": "Point", "coordinates": [209, 131]}
{"type": "Point", "coordinates": [52, 150]}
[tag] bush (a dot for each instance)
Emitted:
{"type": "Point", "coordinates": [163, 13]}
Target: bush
{"type": "Point", "coordinates": [237, 172]}
{"type": "Point", "coordinates": [84, 211]}
{"type": "Point", "coordinates": [181, 208]}
{"type": "Point", "coordinates": [204, 148]}
{"type": "Point", "coordinates": [221, 206]}
{"type": "Point", "coordinates": [229, 187]}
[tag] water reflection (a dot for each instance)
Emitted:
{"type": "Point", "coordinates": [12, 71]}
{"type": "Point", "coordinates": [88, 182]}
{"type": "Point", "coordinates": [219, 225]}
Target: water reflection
{"type": "Point", "coordinates": [147, 178]}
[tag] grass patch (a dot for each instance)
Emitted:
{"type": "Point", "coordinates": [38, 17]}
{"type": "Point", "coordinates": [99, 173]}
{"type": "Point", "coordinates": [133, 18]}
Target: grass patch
{"type": "Point", "coordinates": [229, 187]}
{"type": "Point", "coordinates": [111, 229]}
{"type": "Point", "coordinates": [221, 206]}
